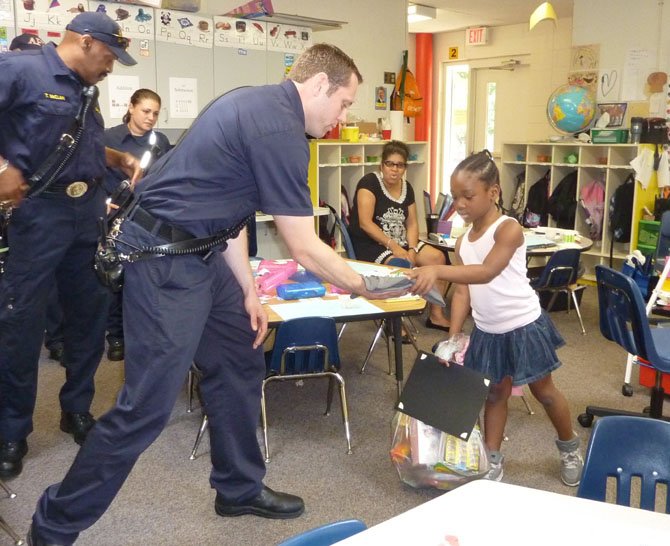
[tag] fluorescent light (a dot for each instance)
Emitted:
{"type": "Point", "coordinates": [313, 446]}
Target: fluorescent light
{"type": "Point", "coordinates": [417, 13]}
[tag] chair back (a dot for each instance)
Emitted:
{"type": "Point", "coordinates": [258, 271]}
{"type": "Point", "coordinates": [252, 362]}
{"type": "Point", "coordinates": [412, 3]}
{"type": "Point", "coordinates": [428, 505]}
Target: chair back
{"type": "Point", "coordinates": [326, 535]}
{"type": "Point", "coordinates": [561, 269]}
{"type": "Point", "coordinates": [663, 243]}
{"type": "Point", "coordinates": [628, 449]}
{"type": "Point", "coordinates": [305, 345]}
{"type": "Point", "coordinates": [346, 238]}
{"type": "Point", "coordinates": [623, 318]}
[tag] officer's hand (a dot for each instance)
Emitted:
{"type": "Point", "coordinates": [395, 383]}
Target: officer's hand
{"type": "Point", "coordinates": [257, 316]}
{"type": "Point", "coordinates": [12, 185]}
{"type": "Point", "coordinates": [130, 165]}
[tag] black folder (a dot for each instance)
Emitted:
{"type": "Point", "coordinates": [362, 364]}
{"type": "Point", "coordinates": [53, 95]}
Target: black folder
{"type": "Point", "coordinates": [448, 398]}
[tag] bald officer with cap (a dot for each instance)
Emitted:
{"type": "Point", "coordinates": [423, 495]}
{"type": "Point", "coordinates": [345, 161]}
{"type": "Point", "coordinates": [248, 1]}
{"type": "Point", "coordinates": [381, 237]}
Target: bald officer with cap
{"type": "Point", "coordinates": [53, 232]}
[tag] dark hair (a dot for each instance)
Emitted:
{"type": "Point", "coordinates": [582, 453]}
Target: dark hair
{"type": "Point", "coordinates": [395, 147]}
{"type": "Point", "coordinates": [139, 95]}
{"type": "Point", "coordinates": [482, 165]}
{"type": "Point", "coordinates": [336, 64]}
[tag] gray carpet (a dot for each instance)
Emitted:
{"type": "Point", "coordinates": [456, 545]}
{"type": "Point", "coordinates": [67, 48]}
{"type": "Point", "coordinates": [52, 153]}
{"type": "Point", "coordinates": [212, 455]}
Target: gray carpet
{"type": "Point", "coordinates": [167, 499]}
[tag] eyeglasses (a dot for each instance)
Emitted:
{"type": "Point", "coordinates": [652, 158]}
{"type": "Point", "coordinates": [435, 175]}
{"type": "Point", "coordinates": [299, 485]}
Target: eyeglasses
{"type": "Point", "coordinates": [116, 39]}
{"type": "Point", "coordinates": [391, 164]}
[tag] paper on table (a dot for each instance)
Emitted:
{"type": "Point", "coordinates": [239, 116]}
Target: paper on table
{"type": "Point", "coordinates": [317, 307]}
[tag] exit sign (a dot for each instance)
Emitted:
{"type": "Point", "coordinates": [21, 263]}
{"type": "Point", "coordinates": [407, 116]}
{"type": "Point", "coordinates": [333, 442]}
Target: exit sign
{"type": "Point", "coordinates": [476, 36]}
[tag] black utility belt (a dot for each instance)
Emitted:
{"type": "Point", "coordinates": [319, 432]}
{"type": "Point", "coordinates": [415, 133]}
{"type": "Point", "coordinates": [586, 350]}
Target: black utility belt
{"type": "Point", "coordinates": [75, 189]}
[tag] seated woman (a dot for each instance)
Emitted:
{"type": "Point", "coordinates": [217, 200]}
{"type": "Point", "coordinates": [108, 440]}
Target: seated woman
{"type": "Point", "coordinates": [384, 222]}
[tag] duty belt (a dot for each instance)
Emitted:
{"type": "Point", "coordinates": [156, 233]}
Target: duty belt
{"type": "Point", "coordinates": [74, 189]}
{"type": "Point", "coordinates": [158, 227]}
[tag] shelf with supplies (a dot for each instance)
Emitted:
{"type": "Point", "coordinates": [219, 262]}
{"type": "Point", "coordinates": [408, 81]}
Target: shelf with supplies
{"type": "Point", "coordinates": [609, 163]}
{"type": "Point", "coordinates": [335, 164]}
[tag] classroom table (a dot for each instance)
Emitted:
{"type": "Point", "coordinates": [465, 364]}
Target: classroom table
{"type": "Point", "coordinates": [553, 235]}
{"type": "Point", "coordinates": [343, 308]}
{"type": "Point", "coordinates": [488, 512]}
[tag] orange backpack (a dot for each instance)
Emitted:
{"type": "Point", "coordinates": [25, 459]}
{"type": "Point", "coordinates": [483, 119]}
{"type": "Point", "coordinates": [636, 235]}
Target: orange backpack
{"type": "Point", "coordinates": [406, 95]}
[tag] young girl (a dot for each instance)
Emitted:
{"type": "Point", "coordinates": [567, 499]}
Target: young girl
{"type": "Point", "coordinates": [513, 340]}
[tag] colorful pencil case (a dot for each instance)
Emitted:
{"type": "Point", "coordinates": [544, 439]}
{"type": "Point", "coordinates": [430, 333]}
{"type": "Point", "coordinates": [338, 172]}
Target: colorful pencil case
{"type": "Point", "coordinates": [298, 290]}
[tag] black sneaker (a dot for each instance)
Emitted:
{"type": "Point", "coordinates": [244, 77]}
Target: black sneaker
{"type": "Point", "coordinates": [77, 424]}
{"type": "Point", "coordinates": [116, 350]}
{"type": "Point", "coordinates": [11, 458]}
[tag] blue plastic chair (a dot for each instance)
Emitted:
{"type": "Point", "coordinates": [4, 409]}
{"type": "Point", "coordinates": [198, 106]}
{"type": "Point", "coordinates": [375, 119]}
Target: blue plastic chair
{"type": "Point", "coordinates": [625, 448]}
{"type": "Point", "coordinates": [623, 319]}
{"type": "Point", "coordinates": [560, 276]}
{"type": "Point", "coordinates": [328, 534]}
{"type": "Point", "coordinates": [305, 348]}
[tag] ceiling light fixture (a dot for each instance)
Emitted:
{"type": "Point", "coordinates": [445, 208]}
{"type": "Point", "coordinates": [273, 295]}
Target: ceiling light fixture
{"type": "Point", "coordinates": [417, 13]}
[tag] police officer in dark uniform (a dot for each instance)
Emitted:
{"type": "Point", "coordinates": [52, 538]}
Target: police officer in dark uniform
{"type": "Point", "coordinates": [136, 136]}
{"type": "Point", "coordinates": [247, 152]}
{"type": "Point", "coordinates": [53, 234]}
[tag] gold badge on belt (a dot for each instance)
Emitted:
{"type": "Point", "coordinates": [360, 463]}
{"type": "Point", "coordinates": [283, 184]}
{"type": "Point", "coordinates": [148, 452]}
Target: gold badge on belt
{"type": "Point", "coordinates": [77, 189]}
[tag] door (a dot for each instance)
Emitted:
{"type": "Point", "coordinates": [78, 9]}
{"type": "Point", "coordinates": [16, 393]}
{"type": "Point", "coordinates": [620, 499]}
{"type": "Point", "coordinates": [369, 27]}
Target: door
{"type": "Point", "coordinates": [500, 106]}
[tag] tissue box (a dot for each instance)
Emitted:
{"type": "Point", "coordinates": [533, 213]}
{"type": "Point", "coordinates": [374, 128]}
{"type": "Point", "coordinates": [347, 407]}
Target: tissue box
{"type": "Point", "coordinates": [609, 136]}
{"type": "Point", "coordinates": [297, 290]}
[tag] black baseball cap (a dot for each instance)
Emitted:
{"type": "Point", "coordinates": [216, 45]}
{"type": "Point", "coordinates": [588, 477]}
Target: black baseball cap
{"type": "Point", "coordinates": [104, 29]}
{"type": "Point", "coordinates": [26, 41]}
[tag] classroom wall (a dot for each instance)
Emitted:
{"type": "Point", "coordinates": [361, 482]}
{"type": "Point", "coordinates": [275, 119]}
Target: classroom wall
{"type": "Point", "coordinates": [375, 34]}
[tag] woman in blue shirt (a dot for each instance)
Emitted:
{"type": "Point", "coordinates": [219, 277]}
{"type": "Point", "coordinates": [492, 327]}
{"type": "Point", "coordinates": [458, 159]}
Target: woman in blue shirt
{"type": "Point", "coordinates": [133, 136]}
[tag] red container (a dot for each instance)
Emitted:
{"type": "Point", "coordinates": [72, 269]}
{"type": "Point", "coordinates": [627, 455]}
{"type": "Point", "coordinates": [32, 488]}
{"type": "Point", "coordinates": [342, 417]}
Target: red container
{"type": "Point", "coordinates": [648, 378]}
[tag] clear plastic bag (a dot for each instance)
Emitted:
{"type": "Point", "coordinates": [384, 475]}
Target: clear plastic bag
{"type": "Point", "coordinates": [453, 349]}
{"type": "Point", "coordinates": [427, 457]}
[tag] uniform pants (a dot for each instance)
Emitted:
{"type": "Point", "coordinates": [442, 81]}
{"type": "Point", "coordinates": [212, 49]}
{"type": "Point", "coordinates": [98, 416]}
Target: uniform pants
{"type": "Point", "coordinates": [52, 240]}
{"type": "Point", "coordinates": [176, 310]}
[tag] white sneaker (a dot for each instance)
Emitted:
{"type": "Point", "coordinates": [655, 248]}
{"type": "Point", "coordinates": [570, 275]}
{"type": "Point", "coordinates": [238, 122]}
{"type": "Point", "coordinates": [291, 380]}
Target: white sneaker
{"type": "Point", "coordinates": [571, 467]}
{"type": "Point", "coordinates": [495, 472]}
{"type": "Point", "coordinates": [571, 461]}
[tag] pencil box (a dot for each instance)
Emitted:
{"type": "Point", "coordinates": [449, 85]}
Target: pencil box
{"type": "Point", "coordinates": [297, 290]}
{"type": "Point", "coordinates": [271, 273]}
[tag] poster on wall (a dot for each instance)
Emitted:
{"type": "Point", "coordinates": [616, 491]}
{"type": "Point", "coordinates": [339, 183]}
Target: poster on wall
{"type": "Point", "coordinates": [183, 97]}
{"type": "Point", "coordinates": [233, 32]}
{"type": "Point", "coordinates": [288, 38]}
{"type": "Point", "coordinates": [638, 64]}
{"type": "Point", "coordinates": [183, 28]}
{"type": "Point", "coordinates": [4, 45]}
{"type": "Point", "coordinates": [120, 90]}
{"type": "Point", "coordinates": [6, 13]}
{"type": "Point", "coordinates": [135, 21]}
{"type": "Point", "coordinates": [609, 83]}
{"type": "Point", "coordinates": [48, 17]}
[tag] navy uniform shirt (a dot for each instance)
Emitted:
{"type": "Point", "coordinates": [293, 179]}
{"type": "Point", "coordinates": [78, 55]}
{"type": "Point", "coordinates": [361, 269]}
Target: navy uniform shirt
{"type": "Point", "coordinates": [247, 152]}
{"type": "Point", "coordinates": [120, 138]}
{"type": "Point", "coordinates": [39, 99]}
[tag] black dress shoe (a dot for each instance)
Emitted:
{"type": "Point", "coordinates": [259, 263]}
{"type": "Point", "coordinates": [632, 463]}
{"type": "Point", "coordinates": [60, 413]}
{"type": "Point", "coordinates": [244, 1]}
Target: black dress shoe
{"type": "Point", "coordinates": [431, 324]}
{"type": "Point", "coordinates": [33, 539]}
{"type": "Point", "coordinates": [116, 350]}
{"type": "Point", "coordinates": [11, 458]}
{"type": "Point", "coordinates": [267, 504]}
{"type": "Point", "coordinates": [77, 424]}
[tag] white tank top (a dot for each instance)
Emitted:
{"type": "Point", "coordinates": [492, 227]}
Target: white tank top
{"type": "Point", "coordinates": [507, 302]}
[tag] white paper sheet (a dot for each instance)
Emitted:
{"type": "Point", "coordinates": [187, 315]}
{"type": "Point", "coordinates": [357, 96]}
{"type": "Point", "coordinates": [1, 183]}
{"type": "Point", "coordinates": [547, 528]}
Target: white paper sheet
{"type": "Point", "coordinates": [344, 306]}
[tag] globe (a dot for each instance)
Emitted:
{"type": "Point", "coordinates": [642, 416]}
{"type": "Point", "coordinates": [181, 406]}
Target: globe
{"type": "Point", "coordinates": [571, 109]}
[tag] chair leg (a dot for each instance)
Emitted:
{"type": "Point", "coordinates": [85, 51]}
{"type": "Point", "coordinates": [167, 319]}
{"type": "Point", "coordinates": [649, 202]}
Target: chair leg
{"type": "Point", "coordinates": [554, 295]}
{"type": "Point", "coordinates": [329, 399]}
{"type": "Point", "coordinates": [201, 432]}
{"type": "Point", "coordinates": [372, 345]}
{"type": "Point", "coordinates": [339, 334]}
{"type": "Point", "coordinates": [191, 388]}
{"type": "Point", "coordinates": [7, 529]}
{"type": "Point", "coordinates": [9, 492]}
{"type": "Point", "coordinates": [345, 410]}
{"type": "Point", "coordinates": [411, 323]}
{"type": "Point", "coordinates": [579, 315]}
{"type": "Point", "coordinates": [264, 421]}
{"type": "Point", "coordinates": [529, 409]}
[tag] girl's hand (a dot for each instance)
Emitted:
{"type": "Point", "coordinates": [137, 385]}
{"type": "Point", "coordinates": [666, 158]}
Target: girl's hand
{"type": "Point", "coordinates": [424, 277]}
